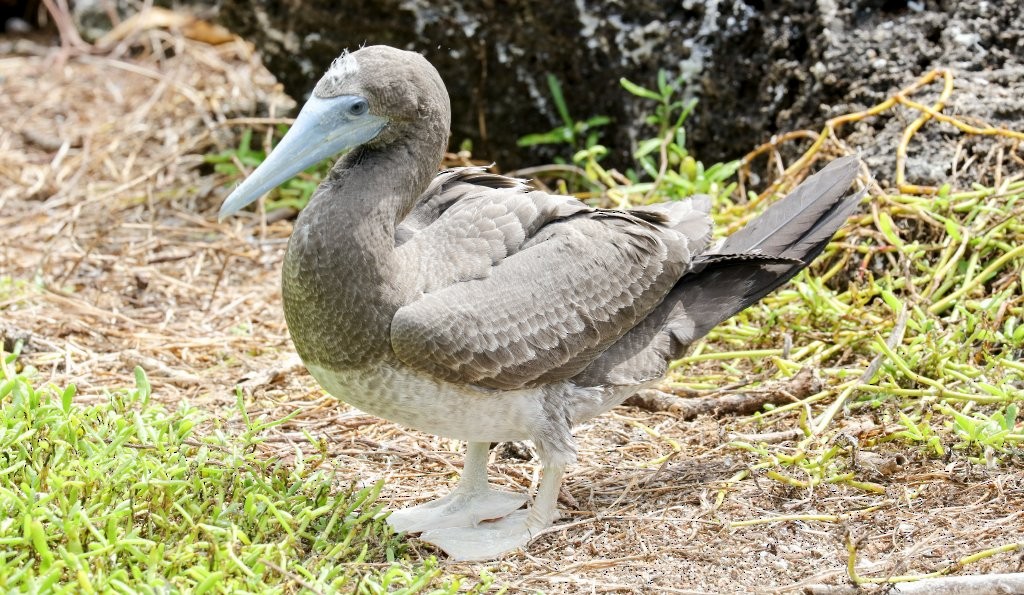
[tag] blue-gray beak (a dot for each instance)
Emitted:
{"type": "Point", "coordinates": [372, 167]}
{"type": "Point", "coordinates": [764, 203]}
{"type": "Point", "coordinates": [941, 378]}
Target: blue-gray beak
{"type": "Point", "coordinates": [324, 127]}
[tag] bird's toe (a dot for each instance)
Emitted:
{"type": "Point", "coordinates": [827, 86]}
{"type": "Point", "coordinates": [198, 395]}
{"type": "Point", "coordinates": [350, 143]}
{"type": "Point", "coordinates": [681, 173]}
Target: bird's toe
{"type": "Point", "coordinates": [458, 509]}
{"type": "Point", "coordinates": [486, 541]}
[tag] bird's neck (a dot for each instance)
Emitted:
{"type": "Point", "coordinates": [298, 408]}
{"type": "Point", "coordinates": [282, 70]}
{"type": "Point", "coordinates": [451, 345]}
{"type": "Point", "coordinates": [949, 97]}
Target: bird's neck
{"type": "Point", "coordinates": [341, 282]}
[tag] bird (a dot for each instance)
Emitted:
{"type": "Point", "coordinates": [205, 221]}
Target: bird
{"type": "Point", "coordinates": [470, 305]}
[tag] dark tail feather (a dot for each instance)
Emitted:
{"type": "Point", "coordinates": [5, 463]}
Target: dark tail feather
{"type": "Point", "coordinates": [776, 246]}
{"type": "Point", "coordinates": [780, 229]}
{"type": "Point", "coordinates": [747, 266]}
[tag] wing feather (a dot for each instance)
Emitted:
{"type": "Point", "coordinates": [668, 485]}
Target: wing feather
{"type": "Point", "coordinates": [516, 288]}
{"type": "Point", "coordinates": [543, 310]}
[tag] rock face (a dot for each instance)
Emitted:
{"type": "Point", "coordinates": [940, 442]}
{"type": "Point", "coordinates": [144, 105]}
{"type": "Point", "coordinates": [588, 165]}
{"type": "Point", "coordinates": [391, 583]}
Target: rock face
{"type": "Point", "coordinates": [801, 62]}
{"type": "Point", "coordinates": [758, 68]}
{"type": "Point", "coordinates": [493, 58]}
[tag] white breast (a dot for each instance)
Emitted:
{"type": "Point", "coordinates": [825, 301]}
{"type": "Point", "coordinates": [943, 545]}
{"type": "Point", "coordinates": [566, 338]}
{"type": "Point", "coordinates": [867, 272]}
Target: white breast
{"type": "Point", "coordinates": [456, 411]}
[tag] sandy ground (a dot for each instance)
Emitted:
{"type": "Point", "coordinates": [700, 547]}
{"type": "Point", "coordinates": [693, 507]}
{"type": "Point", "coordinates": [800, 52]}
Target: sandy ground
{"type": "Point", "coordinates": [111, 256]}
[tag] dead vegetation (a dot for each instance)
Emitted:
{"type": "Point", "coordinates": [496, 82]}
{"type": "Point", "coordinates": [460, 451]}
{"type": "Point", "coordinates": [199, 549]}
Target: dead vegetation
{"type": "Point", "coordinates": [110, 256]}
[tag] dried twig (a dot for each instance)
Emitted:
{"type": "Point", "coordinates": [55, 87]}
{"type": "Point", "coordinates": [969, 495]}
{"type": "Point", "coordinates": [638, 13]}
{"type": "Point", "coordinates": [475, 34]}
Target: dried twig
{"type": "Point", "coordinates": [800, 386]}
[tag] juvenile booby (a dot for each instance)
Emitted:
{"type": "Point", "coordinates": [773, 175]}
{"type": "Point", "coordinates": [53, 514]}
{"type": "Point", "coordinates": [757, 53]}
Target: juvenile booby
{"type": "Point", "coordinates": [468, 305]}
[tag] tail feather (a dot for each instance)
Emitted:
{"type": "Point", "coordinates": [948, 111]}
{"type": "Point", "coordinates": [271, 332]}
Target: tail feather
{"type": "Point", "coordinates": [744, 268]}
{"type": "Point", "coordinates": [781, 229]}
{"type": "Point", "coordinates": [762, 274]}
{"type": "Point", "coordinates": [796, 228]}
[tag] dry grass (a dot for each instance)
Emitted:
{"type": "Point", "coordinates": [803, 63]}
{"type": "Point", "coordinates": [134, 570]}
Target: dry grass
{"type": "Point", "coordinates": [110, 256]}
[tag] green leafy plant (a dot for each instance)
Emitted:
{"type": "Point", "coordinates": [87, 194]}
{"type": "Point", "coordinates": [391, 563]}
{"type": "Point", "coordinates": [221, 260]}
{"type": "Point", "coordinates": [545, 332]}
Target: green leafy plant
{"type": "Point", "coordinates": [665, 170]}
{"type": "Point", "coordinates": [234, 164]}
{"type": "Point", "coordinates": [920, 432]}
{"type": "Point", "coordinates": [979, 431]}
{"type": "Point", "coordinates": [672, 171]}
{"type": "Point", "coordinates": [126, 496]}
{"type": "Point", "coordinates": [578, 134]}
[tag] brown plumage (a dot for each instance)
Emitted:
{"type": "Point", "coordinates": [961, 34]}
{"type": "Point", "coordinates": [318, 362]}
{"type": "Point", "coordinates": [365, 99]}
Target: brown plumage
{"type": "Point", "coordinates": [468, 305]}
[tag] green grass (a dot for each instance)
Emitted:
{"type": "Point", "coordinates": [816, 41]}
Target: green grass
{"type": "Point", "coordinates": [578, 134]}
{"type": "Point", "coordinates": [127, 496]}
{"type": "Point", "coordinates": [913, 318]}
{"type": "Point", "coordinates": [664, 168]}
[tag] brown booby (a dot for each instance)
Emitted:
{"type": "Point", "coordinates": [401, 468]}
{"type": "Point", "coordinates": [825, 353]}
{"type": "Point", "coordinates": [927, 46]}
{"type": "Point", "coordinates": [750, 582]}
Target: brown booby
{"type": "Point", "coordinates": [468, 305]}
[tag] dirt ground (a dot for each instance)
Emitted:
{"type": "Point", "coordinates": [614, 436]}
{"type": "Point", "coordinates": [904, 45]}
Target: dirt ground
{"type": "Point", "coordinates": [111, 256]}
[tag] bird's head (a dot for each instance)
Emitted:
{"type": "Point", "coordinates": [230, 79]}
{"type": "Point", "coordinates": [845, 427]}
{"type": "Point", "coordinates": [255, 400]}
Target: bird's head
{"type": "Point", "coordinates": [368, 97]}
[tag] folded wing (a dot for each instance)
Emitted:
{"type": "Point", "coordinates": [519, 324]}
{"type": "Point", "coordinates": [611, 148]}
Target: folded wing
{"type": "Point", "coordinates": [525, 288]}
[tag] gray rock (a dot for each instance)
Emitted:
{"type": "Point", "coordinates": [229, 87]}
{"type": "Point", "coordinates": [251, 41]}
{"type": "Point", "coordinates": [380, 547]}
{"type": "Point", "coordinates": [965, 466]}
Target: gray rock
{"type": "Point", "coordinates": [802, 62]}
{"type": "Point", "coordinates": [758, 68]}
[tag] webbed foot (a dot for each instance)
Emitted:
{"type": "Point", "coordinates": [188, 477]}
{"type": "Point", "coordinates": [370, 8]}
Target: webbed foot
{"type": "Point", "coordinates": [486, 541]}
{"type": "Point", "coordinates": [461, 508]}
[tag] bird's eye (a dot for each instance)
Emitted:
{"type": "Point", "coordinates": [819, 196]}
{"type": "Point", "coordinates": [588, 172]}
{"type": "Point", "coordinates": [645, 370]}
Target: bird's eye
{"type": "Point", "coordinates": [358, 108]}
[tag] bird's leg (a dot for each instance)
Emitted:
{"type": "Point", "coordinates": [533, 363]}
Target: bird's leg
{"type": "Point", "coordinates": [487, 541]}
{"type": "Point", "coordinates": [471, 502]}
{"type": "Point", "coordinates": [544, 512]}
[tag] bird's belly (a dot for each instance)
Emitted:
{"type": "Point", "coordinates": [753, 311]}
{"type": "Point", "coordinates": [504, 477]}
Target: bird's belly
{"type": "Point", "coordinates": [445, 409]}
{"type": "Point", "coordinates": [463, 412]}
